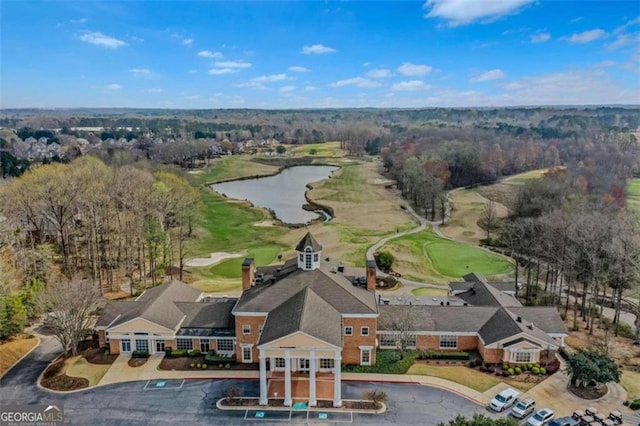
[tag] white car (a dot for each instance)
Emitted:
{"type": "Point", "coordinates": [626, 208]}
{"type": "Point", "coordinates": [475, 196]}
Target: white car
{"type": "Point", "coordinates": [540, 418]}
{"type": "Point", "coordinates": [504, 400]}
{"type": "Point", "coordinates": [523, 408]}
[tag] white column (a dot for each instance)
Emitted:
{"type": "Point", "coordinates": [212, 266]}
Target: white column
{"type": "Point", "coordinates": [287, 379]}
{"type": "Point", "coordinates": [272, 364]}
{"type": "Point", "coordinates": [264, 400]}
{"type": "Point", "coordinates": [337, 385]}
{"type": "Point", "coordinates": [312, 379]}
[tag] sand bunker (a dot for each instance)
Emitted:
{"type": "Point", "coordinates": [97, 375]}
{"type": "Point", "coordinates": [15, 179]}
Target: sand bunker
{"type": "Point", "coordinates": [215, 258]}
{"type": "Point", "coordinates": [264, 223]}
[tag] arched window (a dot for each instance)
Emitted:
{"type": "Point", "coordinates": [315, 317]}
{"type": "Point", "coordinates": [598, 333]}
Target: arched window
{"type": "Point", "coordinates": [307, 258]}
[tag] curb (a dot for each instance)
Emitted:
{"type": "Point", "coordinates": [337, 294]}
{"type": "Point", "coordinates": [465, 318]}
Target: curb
{"type": "Point", "coordinates": [312, 409]}
{"type": "Point", "coordinates": [38, 341]}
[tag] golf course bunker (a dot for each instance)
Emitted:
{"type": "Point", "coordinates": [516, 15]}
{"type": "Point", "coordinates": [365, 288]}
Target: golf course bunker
{"type": "Point", "coordinates": [208, 261]}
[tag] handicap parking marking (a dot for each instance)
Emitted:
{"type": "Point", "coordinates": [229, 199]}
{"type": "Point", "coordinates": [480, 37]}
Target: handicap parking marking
{"type": "Point", "coordinates": [268, 415]}
{"type": "Point", "coordinates": [169, 384]}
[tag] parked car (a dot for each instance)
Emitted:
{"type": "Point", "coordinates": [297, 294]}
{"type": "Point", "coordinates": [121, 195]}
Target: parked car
{"type": "Point", "coordinates": [523, 408]}
{"type": "Point", "coordinates": [541, 418]}
{"type": "Point", "coordinates": [564, 421]}
{"type": "Point", "coordinates": [504, 400]}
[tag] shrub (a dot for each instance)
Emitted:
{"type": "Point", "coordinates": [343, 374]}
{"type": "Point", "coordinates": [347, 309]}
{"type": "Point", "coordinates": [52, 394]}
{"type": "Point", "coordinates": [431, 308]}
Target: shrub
{"type": "Point", "coordinates": [505, 366]}
{"type": "Point", "coordinates": [139, 354]}
{"type": "Point", "coordinates": [167, 351]}
{"type": "Point", "coordinates": [232, 392]}
{"type": "Point", "coordinates": [193, 353]}
{"type": "Point", "coordinates": [491, 369]}
{"type": "Point", "coordinates": [536, 365]}
{"type": "Point", "coordinates": [525, 367]}
{"type": "Point", "coordinates": [178, 353]}
{"type": "Point", "coordinates": [375, 395]}
{"type": "Point", "coordinates": [553, 367]}
{"type": "Point", "coordinates": [192, 365]}
{"type": "Point", "coordinates": [635, 404]}
{"type": "Point", "coordinates": [204, 366]}
{"type": "Point", "coordinates": [443, 355]}
{"type": "Point", "coordinates": [529, 366]}
{"type": "Point", "coordinates": [198, 365]}
{"type": "Point", "coordinates": [518, 370]}
{"type": "Point", "coordinates": [227, 366]}
{"type": "Point", "coordinates": [535, 370]}
{"type": "Point", "coordinates": [543, 370]}
{"type": "Point", "coordinates": [385, 260]}
{"type": "Point", "coordinates": [511, 371]}
{"type": "Point", "coordinates": [505, 373]}
{"type": "Point", "coordinates": [220, 366]}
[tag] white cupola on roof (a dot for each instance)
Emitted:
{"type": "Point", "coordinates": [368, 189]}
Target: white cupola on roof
{"type": "Point", "coordinates": [309, 253]}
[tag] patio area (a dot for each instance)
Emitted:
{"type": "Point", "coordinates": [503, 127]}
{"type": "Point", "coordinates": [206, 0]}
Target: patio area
{"type": "Point", "coordinates": [300, 386]}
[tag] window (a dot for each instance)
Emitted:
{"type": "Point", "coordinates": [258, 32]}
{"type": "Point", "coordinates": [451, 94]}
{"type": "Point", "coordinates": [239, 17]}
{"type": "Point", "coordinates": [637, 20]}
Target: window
{"type": "Point", "coordinates": [448, 342]}
{"type": "Point", "coordinates": [142, 345]}
{"type": "Point", "coordinates": [365, 356]}
{"type": "Point", "coordinates": [125, 345]}
{"type": "Point", "coordinates": [225, 345]}
{"type": "Point", "coordinates": [159, 345]}
{"type": "Point", "coordinates": [388, 340]}
{"type": "Point", "coordinates": [364, 331]}
{"type": "Point", "coordinates": [247, 354]}
{"type": "Point", "coordinates": [522, 356]}
{"type": "Point", "coordinates": [410, 341]}
{"type": "Point", "coordinates": [316, 257]}
{"type": "Point", "coordinates": [246, 329]}
{"type": "Point", "coordinates": [303, 364]}
{"type": "Point", "coordinates": [348, 331]}
{"type": "Point", "coordinates": [279, 363]}
{"type": "Point", "coordinates": [307, 262]}
{"type": "Point", "coordinates": [326, 363]}
{"type": "Point", "coordinates": [260, 328]}
{"type": "Point", "coordinates": [205, 345]}
{"type": "Point", "coordinates": [301, 257]}
{"type": "Point", "coordinates": [184, 344]}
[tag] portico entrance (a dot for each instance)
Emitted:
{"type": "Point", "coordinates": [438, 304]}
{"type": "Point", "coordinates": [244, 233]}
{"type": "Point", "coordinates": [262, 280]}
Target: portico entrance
{"type": "Point", "coordinates": [307, 370]}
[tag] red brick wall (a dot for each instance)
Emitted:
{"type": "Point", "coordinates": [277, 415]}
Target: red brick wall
{"type": "Point", "coordinates": [432, 343]}
{"type": "Point", "coordinates": [114, 346]}
{"type": "Point", "coordinates": [490, 356]}
{"type": "Point", "coordinates": [101, 337]}
{"type": "Point", "coordinates": [351, 350]}
{"type": "Point", "coordinates": [254, 322]}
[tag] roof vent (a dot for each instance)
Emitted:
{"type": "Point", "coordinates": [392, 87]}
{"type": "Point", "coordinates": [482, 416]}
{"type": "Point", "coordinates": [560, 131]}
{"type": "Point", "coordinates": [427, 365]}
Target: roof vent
{"type": "Point", "coordinates": [519, 319]}
{"type": "Point", "coordinates": [530, 326]}
{"type": "Point", "coordinates": [465, 304]}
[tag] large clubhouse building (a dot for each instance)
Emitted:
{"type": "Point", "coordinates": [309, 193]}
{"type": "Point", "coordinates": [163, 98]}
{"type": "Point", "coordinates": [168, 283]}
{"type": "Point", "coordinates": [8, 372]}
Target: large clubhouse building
{"type": "Point", "coordinates": [303, 319]}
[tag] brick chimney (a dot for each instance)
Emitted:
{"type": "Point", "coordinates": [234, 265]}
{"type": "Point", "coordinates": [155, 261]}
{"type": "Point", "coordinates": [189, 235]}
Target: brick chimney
{"type": "Point", "coordinates": [371, 275]}
{"type": "Point", "coordinates": [247, 273]}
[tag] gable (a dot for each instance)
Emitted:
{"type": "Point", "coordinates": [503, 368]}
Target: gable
{"type": "Point", "coordinates": [297, 340]}
{"type": "Point", "coordinates": [139, 325]}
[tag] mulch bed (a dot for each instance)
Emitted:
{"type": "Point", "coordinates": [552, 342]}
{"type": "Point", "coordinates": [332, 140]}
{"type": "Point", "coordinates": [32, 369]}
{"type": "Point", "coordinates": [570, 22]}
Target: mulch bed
{"type": "Point", "coordinates": [97, 356]}
{"type": "Point", "coordinates": [184, 363]}
{"type": "Point", "coordinates": [350, 405]}
{"type": "Point", "coordinates": [137, 362]}
{"type": "Point", "coordinates": [590, 392]}
{"type": "Point", "coordinates": [356, 405]}
{"type": "Point", "coordinates": [54, 378]}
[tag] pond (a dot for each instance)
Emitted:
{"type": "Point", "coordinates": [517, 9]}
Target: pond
{"type": "Point", "coordinates": [283, 193]}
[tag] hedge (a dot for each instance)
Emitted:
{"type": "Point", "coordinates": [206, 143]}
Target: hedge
{"type": "Point", "coordinates": [178, 353]}
{"type": "Point", "coordinates": [212, 358]}
{"type": "Point", "coordinates": [193, 353]}
{"type": "Point", "coordinates": [443, 355]}
{"type": "Point", "coordinates": [139, 354]}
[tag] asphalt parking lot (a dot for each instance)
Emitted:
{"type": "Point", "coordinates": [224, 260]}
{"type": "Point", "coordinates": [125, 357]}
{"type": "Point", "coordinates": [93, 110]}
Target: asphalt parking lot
{"type": "Point", "coordinates": [193, 401]}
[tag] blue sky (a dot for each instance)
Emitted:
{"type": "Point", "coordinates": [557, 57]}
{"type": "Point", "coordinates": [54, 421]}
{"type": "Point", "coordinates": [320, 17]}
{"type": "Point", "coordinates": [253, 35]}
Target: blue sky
{"type": "Point", "coordinates": [207, 54]}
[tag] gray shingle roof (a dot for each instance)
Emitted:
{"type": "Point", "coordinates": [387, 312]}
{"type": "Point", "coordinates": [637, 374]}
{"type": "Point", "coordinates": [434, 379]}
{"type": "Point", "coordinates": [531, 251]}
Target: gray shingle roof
{"type": "Point", "coordinates": [437, 318]}
{"type": "Point", "coordinates": [307, 312]}
{"type": "Point", "coordinates": [335, 289]}
{"type": "Point", "coordinates": [213, 314]}
{"type": "Point", "coordinates": [157, 305]}
{"type": "Point", "coordinates": [308, 241]}
{"type": "Point", "coordinates": [498, 327]}
{"type": "Point", "coordinates": [546, 318]}
{"type": "Point", "coordinates": [482, 294]}
{"type": "Point", "coordinates": [115, 308]}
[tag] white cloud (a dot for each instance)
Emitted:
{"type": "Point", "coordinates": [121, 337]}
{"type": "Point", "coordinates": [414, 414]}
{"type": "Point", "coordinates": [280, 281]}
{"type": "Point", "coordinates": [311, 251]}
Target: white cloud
{"type": "Point", "coordinates": [310, 88]}
{"type": "Point", "coordinates": [461, 12]}
{"type": "Point", "coordinates": [187, 41]}
{"type": "Point", "coordinates": [414, 70]}
{"type": "Point", "coordinates": [586, 36]}
{"type": "Point", "coordinates": [232, 64]}
{"type": "Point", "coordinates": [79, 21]}
{"type": "Point", "coordinates": [192, 97]}
{"type": "Point", "coordinates": [410, 86]}
{"type": "Point", "coordinates": [356, 81]}
{"type": "Point", "coordinates": [136, 39]}
{"type": "Point", "coordinates": [286, 89]}
{"type": "Point", "coordinates": [193, 71]}
{"type": "Point", "coordinates": [140, 71]}
{"type": "Point", "coordinates": [210, 54]}
{"type": "Point", "coordinates": [269, 78]}
{"type": "Point", "coordinates": [630, 23]}
{"type": "Point", "coordinates": [540, 37]}
{"type": "Point", "coordinates": [317, 49]}
{"type": "Point", "coordinates": [221, 71]}
{"type": "Point", "coordinates": [494, 74]}
{"type": "Point", "coordinates": [297, 68]}
{"type": "Point", "coordinates": [113, 86]}
{"type": "Point", "coordinates": [100, 39]}
{"type": "Point", "coordinates": [604, 64]}
{"type": "Point", "coordinates": [380, 73]}
{"type": "Point", "coordinates": [625, 39]}
{"type": "Point", "coordinates": [155, 90]}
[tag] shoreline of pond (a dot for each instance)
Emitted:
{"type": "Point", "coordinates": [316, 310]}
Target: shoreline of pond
{"type": "Point", "coordinates": [310, 205]}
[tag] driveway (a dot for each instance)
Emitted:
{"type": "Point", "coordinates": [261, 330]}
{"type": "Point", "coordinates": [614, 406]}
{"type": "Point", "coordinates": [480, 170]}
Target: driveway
{"type": "Point", "coordinates": [193, 401]}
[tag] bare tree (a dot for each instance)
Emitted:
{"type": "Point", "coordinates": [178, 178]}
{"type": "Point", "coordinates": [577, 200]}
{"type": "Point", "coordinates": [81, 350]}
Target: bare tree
{"type": "Point", "coordinates": [71, 306]}
{"type": "Point", "coordinates": [403, 325]}
{"type": "Point", "coordinates": [489, 220]}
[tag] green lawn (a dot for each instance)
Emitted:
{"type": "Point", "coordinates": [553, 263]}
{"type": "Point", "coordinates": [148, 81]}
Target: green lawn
{"type": "Point", "coordinates": [429, 291]}
{"type": "Point", "coordinates": [523, 177]}
{"type": "Point", "coordinates": [630, 381]}
{"type": "Point", "coordinates": [633, 196]}
{"type": "Point", "coordinates": [466, 376]}
{"type": "Point", "coordinates": [231, 167]}
{"type": "Point", "coordinates": [387, 362]}
{"type": "Point", "coordinates": [437, 260]}
{"type": "Point", "coordinates": [92, 372]}
{"type": "Point", "coordinates": [327, 149]}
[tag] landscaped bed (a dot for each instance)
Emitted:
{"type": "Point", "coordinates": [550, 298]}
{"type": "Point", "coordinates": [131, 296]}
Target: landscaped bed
{"type": "Point", "coordinates": [198, 362]}
{"type": "Point", "coordinates": [347, 405]}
